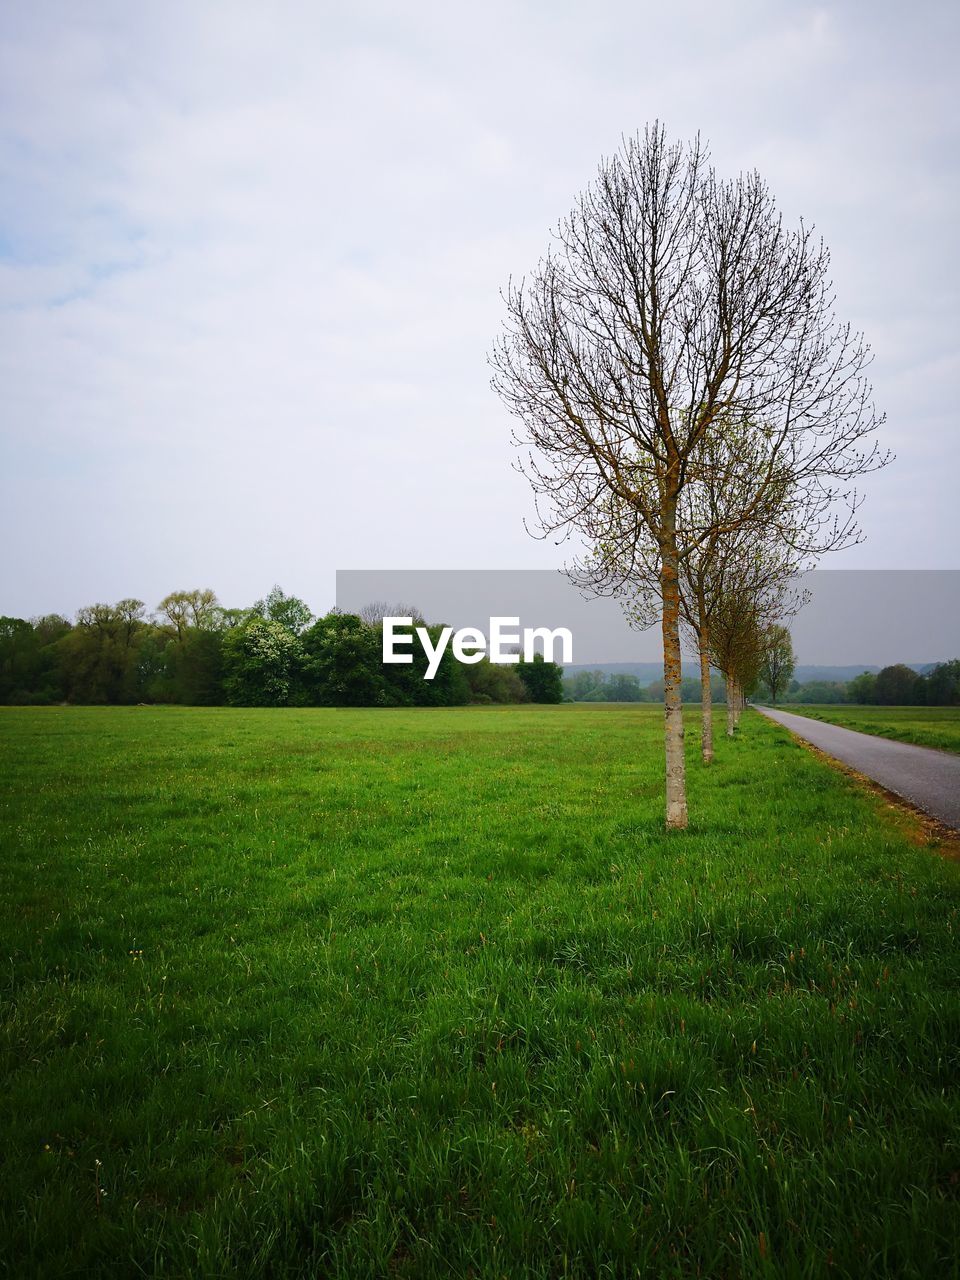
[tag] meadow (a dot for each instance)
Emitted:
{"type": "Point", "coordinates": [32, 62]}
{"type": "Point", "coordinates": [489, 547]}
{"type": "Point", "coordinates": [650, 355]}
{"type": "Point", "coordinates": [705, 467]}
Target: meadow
{"type": "Point", "coordinates": [432, 993]}
{"type": "Point", "coordinates": [924, 726]}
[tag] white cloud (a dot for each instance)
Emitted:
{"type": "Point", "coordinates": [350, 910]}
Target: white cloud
{"type": "Point", "coordinates": [251, 270]}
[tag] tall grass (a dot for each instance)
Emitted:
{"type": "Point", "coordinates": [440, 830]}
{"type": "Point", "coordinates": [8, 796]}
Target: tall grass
{"type": "Point", "coordinates": [923, 726]}
{"type": "Point", "coordinates": [431, 993]}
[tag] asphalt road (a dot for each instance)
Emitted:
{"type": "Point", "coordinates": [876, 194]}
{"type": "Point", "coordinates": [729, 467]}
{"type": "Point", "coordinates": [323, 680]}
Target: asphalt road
{"type": "Point", "coordinates": [927, 778]}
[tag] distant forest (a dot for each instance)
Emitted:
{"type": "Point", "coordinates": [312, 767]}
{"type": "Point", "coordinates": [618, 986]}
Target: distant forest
{"type": "Point", "coordinates": [897, 685]}
{"type": "Point", "coordinates": [275, 653]}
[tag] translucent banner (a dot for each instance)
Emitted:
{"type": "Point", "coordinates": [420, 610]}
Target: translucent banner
{"type": "Point", "coordinates": [853, 618]}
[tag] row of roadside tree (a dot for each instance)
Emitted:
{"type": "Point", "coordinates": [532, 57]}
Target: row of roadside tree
{"type": "Point", "coordinates": [691, 408]}
{"type": "Point", "coordinates": [275, 653]}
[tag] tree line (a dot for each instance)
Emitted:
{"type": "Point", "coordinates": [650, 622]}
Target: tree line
{"type": "Point", "coordinates": [894, 686]}
{"type": "Point", "coordinates": [275, 653]}
{"type": "Point", "coordinates": [690, 406]}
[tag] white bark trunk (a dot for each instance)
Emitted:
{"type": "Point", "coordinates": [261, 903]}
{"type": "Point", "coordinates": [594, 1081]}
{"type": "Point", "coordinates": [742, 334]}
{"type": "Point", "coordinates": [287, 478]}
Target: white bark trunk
{"type": "Point", "coordinates": [706, 696]}
{"type": "Point", "coordinates": [672, 708]}
{"type": "Point", "coordinates": [731, 710]}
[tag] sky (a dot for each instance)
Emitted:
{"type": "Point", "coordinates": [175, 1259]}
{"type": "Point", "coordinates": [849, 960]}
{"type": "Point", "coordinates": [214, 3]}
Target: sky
{"type": "Point", "coordinates": [251, 259]}
{"type": "Point", "coordinates": [836, 617]}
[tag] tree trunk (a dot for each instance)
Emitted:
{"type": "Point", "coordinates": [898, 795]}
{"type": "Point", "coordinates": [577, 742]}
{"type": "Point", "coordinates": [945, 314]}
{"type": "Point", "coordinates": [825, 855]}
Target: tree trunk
{"type": "Point", "coordinates": [706, 698]}
{"type": "Point", "coordinates": [731, 710]}
{"type": "Point", "coordinates": [672, 709]}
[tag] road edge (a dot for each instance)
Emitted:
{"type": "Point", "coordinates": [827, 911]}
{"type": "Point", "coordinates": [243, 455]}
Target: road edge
{"type": "Point", "coordinates": [931, 833]}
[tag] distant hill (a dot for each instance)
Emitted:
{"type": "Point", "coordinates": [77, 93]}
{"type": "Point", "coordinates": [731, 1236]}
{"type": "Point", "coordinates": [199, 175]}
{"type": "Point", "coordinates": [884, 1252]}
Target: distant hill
{"type": "Point", "coordinates": [644, 671]}
{"type": "Point", "coordinates": [647, 671]}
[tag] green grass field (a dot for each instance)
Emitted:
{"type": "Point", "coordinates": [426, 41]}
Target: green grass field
{"type": "Point", "coordinates": [431, 993]}
{"type": "Point", "coordinates": [926, 726]}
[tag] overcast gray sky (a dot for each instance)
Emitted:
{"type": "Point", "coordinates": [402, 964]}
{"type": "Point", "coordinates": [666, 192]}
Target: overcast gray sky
{"type": "Point", "coordinates": [849, 616]}
{"type": "Point", "coordinates": [250, 257]}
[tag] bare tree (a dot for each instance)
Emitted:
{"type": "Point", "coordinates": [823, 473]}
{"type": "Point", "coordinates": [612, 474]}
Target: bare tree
{"type": "Point", "coordinates": [730, 509]}
{"type": "Point", "coordinates": [374, 613]}
{"type": "Point", "coordinates": [672, 305]}
{"type": "Point", "coordinates": [735, 510]}
{"type": "Point", "coordinates": [742, 577]}
{"type": "Point", "coordinates": [737, 647]}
